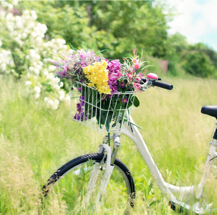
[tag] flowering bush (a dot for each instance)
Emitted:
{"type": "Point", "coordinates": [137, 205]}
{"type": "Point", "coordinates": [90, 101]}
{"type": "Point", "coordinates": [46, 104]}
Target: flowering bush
{"type": "Point", "coordinates": [114, 84]}
{"type": "Point", "coordinates": [23, 51]}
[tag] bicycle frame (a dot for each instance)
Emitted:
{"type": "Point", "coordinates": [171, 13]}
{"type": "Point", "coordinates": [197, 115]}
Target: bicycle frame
{"type": "Point", "coordinates": [167, 189]}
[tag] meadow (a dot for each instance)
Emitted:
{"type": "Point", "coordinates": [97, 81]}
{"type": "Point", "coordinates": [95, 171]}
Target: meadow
{"type": "Point", "coordinates": [35, 141]}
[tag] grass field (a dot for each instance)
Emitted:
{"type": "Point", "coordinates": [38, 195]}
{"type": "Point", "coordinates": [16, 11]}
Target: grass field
{"type": "Point", "coordinates": [34, 142]}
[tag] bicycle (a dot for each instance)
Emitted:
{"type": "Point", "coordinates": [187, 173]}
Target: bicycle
{"type": "Point", "coordinates": [92, 175]}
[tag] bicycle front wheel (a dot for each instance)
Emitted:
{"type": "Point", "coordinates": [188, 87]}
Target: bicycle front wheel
{"type": "Point", "coordinates": [73, 179]}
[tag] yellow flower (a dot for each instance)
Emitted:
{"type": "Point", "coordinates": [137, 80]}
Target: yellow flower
{"type": "Point", "coordinates": [97, 74]}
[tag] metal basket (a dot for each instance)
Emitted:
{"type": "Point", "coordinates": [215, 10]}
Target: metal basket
{"type": "Point", "coordinates": [103, 113]}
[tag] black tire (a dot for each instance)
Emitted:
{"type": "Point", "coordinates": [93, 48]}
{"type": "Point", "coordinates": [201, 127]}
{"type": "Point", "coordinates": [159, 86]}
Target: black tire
{"type": "Point", "coordinates": [78, 178]}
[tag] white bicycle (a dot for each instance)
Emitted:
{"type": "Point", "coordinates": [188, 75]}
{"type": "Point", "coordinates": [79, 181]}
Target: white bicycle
{"type": "Point", "coordinates": [97, 179]}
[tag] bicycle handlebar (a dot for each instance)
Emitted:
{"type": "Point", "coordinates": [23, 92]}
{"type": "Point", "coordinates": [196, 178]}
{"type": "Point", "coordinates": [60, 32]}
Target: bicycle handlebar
{"type": "Point", "coordinates": [158, 84]}
{"type": "Point", "coordinates": [162, 85]}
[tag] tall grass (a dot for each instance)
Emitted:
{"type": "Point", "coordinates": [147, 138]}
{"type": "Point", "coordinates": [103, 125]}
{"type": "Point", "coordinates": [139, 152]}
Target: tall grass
{"type": "Point", "coordinates": [34, 142]}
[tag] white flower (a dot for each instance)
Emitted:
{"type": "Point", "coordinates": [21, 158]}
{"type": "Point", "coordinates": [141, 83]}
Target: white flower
{"type": "Point", "coordinates": [4, 4]}
{"type": "Point", "coordinates": [31, 25]}
{"type": "Point", "coordinates": [37, 89]}
{"type": "Point", "coordinates": [27, 57]}
{"type": "Point", "coordinates": [65, 47]}
{"type": "Point", "coordinates": [37, 95]}
{"type": "Point", "coordinates": [61, 84]}
{"type": "Point", "coordinates": [31, 68]}
{"type": "Point", "coordinates": [71, 51]}
{"type": "Point", "coordinates": [27, 17]}
{"type": "Point", "coordinates": [26, 12]}
{"type": "Point", "coordinates": [10, 6]}
{"type": "Point", "coordinates": [40, 63]}
{"type": "Point", "coordinates": [36, 71]}
{"type": "Point", "coordinates": [45, 99]}
{"type": "Point", "coordinates": [56, 102]}
{"type": "Point", "coordinates": [38, 67]}
{"type": "Point", "coordinates": [10, 27]}
{"type": "Point", "coordinates": [38, 40]}
{"type": "Point", "coordinates": [34, 16]}
{"type": "Point", "coordinates": [51, 68]}
{"type": "Point", "coordinates": [19, 25]}
{"type": "Point", "coordinates": [15, 2]}
{"type": "Point", "coordinates": [67, 99]}
{"type": "Point", "coordinates": [33, 34]}
{"type": "Point", "coordinates": [50, 103]}
{"type": "Point", "coordinates": [3, 66]}
{"type": "Point", "coordinates": [0, 43]}
{"type": "Point", "coordinates": [45, 73]}
{"type": "Point", "coordinates": [37, 57]}
{"type": "Point", "coordinates": [2, 14]}
{"type": "Point", "coordinates": [24, 35]}
{"type": "Point", "coordinates": [28, 83]}
{"type": "Point", "coordinates": [62, 95]}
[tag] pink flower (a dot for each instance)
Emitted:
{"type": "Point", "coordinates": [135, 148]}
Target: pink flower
{"type": "Point", "coordinates": [134, 51]}
{"type": "Point", "coordinates": [135, 61]}
{"type": "Point", "coordinates": [141, 75]}
{"type": "Point", "coordinates": [136, 66]}
{"type": "Point", "coordinates": [137, 86]}
{"type": "Point", "coordinates": [129, 75]}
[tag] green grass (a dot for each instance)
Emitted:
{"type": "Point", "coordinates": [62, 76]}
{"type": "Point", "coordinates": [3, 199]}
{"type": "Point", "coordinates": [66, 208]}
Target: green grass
{"type": "Point", "coordinates": [34, 142]}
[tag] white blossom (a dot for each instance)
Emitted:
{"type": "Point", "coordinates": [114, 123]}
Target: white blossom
{"type": "Point", "coordinates": [36, 71]}
{"type": "Point", "coordinates": [3, 66]}
{"type": "Point", "coordinates": [15, 2]}
{"type": "Point", "coordinates": [51, 68]}
{"type": "Point", "coordinates": [67, 99]}
{"type": "Point", "coordinates": [10, 27]}
{"type": "Point", "coordinates": [50, 103]}
{"type": "Point", "coordinates": [45, 73]}
{"type": "Point", "coordinates": [61, 84]}
{"type": "Point", "coordinates": [37, 95]}
{"type": "Point", "coordinates": [10, 6]}
{"type": "Point", "coordinates": [19, 25]}
{"type": "Point", "coordinates": [24, 35]}
{"type": "Point", "coordinates": [62, 95]}
{"type": "Point", "coordinates": [38, 40]}
{"type": "Point", "coordinates": [37, 89]}
{"type": "Point", "coordinates": [28, 83]}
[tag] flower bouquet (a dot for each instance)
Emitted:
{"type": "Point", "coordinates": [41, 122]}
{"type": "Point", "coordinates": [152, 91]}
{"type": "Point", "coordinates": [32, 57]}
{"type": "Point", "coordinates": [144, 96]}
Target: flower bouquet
{"type": "Point", "coordinates": [103, 89]}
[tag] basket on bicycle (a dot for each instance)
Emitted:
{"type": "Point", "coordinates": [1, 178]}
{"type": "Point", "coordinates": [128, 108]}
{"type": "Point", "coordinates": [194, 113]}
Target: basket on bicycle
{"type": "Point", "coordinates": [101, 113]}
{"type": "Point", "coordinates": [102, 91]}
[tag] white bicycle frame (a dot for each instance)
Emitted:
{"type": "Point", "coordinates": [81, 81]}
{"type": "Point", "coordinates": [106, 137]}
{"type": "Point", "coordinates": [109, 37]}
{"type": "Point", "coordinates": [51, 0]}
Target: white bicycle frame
{"type": "Point", "coordinates": [167, 189]}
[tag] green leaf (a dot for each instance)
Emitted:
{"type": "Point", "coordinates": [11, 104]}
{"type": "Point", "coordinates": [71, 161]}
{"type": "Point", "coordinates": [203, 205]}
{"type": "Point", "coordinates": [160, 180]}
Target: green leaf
{"type": "Point", "coordinates": [136, 102]}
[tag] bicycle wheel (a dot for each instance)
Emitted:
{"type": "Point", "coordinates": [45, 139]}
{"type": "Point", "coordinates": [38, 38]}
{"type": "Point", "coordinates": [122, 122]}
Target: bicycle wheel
{"type": "Point", "coordinates": [73, 179]}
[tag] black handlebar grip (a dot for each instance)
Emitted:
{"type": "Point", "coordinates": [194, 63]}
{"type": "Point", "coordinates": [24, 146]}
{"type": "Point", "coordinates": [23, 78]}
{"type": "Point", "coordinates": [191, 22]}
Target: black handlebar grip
{"type": "Point", "coordinates": [143, 80]}
{"type": "Point", "coordinates": [162, 85]}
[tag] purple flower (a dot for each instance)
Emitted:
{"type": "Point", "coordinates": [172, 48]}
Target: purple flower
{"type": "Point", "coordinates": [79, 107]}
{"type": "Point", "coordinates": [124, 100]}
{"type": "Point", "coordinates": [77, 117]}
{"type": "Point", "coordinates": [82, 99]}
{"type": "Point", "coordinates": [114, 68]}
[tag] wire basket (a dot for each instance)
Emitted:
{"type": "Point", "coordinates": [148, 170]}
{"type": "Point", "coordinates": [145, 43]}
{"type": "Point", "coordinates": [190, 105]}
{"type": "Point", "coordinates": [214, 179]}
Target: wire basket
{"type": "Point", "coordinates": [103, 113]}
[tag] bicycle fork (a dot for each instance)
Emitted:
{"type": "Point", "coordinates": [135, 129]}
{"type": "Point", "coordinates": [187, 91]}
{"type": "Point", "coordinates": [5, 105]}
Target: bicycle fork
{"type": "Point", "coordinates": [109, 166]}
